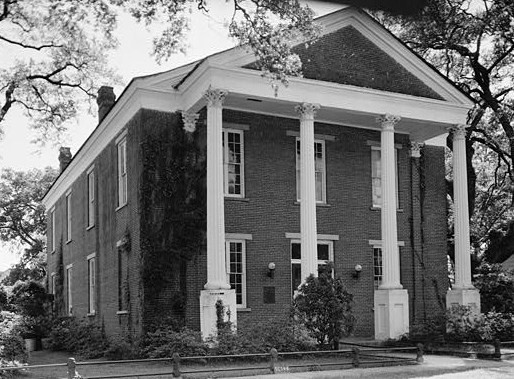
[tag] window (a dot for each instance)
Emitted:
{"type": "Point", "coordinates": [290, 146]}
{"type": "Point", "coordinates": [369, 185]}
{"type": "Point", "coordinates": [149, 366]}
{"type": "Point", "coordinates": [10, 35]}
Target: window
{"type": "Point", "coordinates": [52, 283]}
{"type": "Point", "coordinates": [236, 270]}
{"type": "Point", "coordinates": [233, 163]}
{"type": "Point", "coordinates": [69, 297]}
{"type": "Point", "coordinates": [376, 176]}
{"type": "Point", "coordinates": [378, 265]}
{"type": "Point", "coordinates": [91, 198]}
{"type": "Point", "coordinates": [325, 255]}
{"type": "Point", "coordinates": [68, 217]}
{"type": "Point", "coordinates": [91, 273]}
{"type": "Point", "coordinates": [122, 172]}
{"type": "Point", "coordinates": [319, 167]}
{"type": "Point", "coordinates": [52, 221]}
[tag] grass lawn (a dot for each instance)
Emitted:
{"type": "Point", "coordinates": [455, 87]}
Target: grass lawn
{"type": "Point", "coordinates": [196, 369]}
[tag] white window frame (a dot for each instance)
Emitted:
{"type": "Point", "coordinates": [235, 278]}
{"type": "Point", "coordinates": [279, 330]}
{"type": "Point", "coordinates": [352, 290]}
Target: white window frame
{"type": "Point", "coordinates": [52, 221]}
{"type": "Point", "coordinates": [91, 279]}
{"type": "Point", "coordinates": [375, 203]}
{"type": "Point", "coordinates": [298, 171]}
{"type": "Point", "coordinates": [69, 288]}
{"type": "Point", "coordinates": [226, 132]}
{"type": "Point", "coordinates": [121, 148]}
{"type": "Point", "coordinates": [243, 264]}
{"type": "Point", "coordinates": [330, 244]}
{"type": "Point", "coordinates": [68, 216]}
{"type": "Point", "coordinates": [377, 244]}
{"type": "Point", "coordinates": [91, 197]}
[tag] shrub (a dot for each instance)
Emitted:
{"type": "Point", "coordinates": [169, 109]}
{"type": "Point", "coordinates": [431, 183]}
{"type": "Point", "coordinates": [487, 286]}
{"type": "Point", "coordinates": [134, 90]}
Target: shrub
{"type": "Point", "coordinates": [496, 288]}
{"type": "Point", "coordinates": [12, 346]}
{"type": "Point", "coordinates": [120, 348]}
{"type": "Point", "coordinates": [30, 299]}
{"type": "Point", "coordinates": [165, 341]}
{"type": "Point", "coordinates": [325, 308]}
{"type": "Point", "coordinates": [464, 324]}
{"type": "Point", "coordinates": [80, 337]}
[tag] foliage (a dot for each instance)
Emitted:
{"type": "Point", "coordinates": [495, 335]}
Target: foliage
{"type": "Point", "coordinates": [165, 341]}
{"type": "Point", "coordinates": [325, 308]}
{"type": "Point", "coordinates": [465, 324]}
{"type": "Point", "coordinates": [30, 299]}
{"type": "Point", "coordinates": [23, 219]}
{"type": "Point", "coordinates": [496, 288]}
{"type": "Point", "coordinates": [78, 336]}
{"type": "Point", "coordinates": [61, 49]}
{"type": "Point", "coordinates": [12, 346]}
{"type": "Point", "coordinates": [431, 329]}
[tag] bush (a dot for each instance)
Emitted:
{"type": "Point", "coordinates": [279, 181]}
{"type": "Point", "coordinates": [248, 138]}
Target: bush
{"type": "Point", "coordinates": [325, 308]}
{"type": "Point", "coordinates": [165, 341]}
{"type": "Point", "coordinates": [12, 346]}
{"type": "Point", "coordinates": [464, 324]}
{"type": "Point", "coordinates": [80, 337]}
{"type": "Point", "coordinates": [496, 288]}
{"type": "Point", "coordinates": [30, 299]}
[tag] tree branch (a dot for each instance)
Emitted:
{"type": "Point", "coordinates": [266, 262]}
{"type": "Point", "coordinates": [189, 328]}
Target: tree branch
{"type": "Point", "coordinates": [9, 100]}
{"type": "Point", "coordinates": [25, 46]}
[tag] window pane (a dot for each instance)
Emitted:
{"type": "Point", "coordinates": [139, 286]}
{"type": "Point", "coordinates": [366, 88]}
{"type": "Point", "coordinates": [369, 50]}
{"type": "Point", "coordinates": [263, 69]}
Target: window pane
{"type": "Point", "coordinates": [296, 275]}
{"type": "Point", "coordinates": [377, 266]}
{"type": "Point", "coordinates": [323, 252]}
{"type": "Point", "coordinates": [296, 251]}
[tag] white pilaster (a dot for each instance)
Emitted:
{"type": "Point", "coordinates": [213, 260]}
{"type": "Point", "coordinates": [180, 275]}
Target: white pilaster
{"type": "Point", "coordinates": [463, 292]}
{"type": "Point", "coordinates": [391, 301]}
{"type": "Point", "coordinates": [308, 226]}
{"type": "Point", "coordinates": [216, 287]}
{"type": "Point", "coordinates": [415, 149]}
{"type": "Point", "coordinates": [189, 119]}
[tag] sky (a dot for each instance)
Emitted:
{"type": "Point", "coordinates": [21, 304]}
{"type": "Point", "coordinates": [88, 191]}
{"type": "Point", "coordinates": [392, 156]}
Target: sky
{"type": "Point", "coordinates": [132, 58]}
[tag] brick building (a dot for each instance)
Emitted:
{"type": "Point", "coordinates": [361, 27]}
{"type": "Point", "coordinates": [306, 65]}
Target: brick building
{"type": "Point", "coordinates": [193, 188]}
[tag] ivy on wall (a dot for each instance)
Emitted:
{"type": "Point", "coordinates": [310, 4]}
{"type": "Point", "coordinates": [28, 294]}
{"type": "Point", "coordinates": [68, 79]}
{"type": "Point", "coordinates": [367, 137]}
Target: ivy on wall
{"type": "Point", "coordinates": [173, 212]}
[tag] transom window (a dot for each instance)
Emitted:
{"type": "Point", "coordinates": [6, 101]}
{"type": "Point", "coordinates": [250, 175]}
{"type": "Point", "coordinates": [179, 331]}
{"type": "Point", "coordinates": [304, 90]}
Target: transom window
{"type": "Point", "coordinates": [376, 176]}
{"type": "Point", "coordinates": [236, 269]}
{"type": "Point", "coordinates": [325, 255]}
{"type": "Point", "coordinates": [319, 167]}
{"type": "Point", "coordinates": [233, 162]}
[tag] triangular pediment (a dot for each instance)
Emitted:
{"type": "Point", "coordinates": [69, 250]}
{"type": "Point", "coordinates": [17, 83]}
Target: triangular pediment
{"type": "Point", "coordinates": [348, 57]}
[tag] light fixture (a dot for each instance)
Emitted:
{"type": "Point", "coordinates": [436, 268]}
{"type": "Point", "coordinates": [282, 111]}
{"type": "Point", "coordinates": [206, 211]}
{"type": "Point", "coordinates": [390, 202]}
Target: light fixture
{"type": "Point", "coordinates": [358, 269]}
{"type": "Point", "coordinates": [271, 269]}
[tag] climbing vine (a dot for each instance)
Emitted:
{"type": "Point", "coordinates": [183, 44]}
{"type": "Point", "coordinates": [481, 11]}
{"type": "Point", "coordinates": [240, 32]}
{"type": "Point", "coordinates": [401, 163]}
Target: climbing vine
{"type": "Point", "coordinates": [173, 211]}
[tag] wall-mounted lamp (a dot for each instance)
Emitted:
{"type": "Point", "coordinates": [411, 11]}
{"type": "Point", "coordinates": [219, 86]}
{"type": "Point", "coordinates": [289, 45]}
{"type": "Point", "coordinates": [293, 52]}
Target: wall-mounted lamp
{"type": "Point", "coordinates": [271, 269]}
{"type": "Point", "coordinates": [356, 273]}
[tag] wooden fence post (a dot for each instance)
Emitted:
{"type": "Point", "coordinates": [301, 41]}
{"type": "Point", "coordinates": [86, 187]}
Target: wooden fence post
{"type": "Point", "coordinates": [72, 372]}
{"type": "Point", "coordinates": [176, 365]}
{"type": "Point", "coordinates": [497, 349]}
{"type": "Point", "coordinates": [419, 353]}
{"type": "Point", "coordinates": [273, 360]}
{"type": "Point", "coordinates": [356, 360]}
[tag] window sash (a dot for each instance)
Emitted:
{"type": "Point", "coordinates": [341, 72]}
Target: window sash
{"type": "Point", "coordinates": [69, 273]}
{"type": "Point", "coordinates": [296, 262]}
{"type": "Point", "coordinates": [52, 283]}
{"type": "Point", "coordinates": [91, 199]}
{"type": "Point", "coordinates": [376, 176]}
{"type": "Point", "coordinates": [233, 162]}
{"type": "Point", "coordinates": [122, 172]}
{"type": "Point", "coordinates": [68, 217]}
{"type": "Point", "coordinates": [377, 267]}
{"type": "Point", "coordinates": [319, 168]}
{"type": "Point", "coordinates": [92, 283]}
{"type": "Point", "coordinates": [52, 215]}
{"type": "Point", "coordinates": [236, 269]}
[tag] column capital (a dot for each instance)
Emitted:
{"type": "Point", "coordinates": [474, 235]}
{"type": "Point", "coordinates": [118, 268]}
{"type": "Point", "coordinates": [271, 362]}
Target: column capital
{"type": "Point", "coordinates": [459, 131]}
{"type": "Point", "coordinates": [388, 121]}
{"type": "Point", "coordinates": [189, 119]}
{"type": "Point", "coordinates": [215, 96]}
{"type": "Point", "coordinates": [415, 149]}
{"type": "Point", "coordinates": [307, 110]}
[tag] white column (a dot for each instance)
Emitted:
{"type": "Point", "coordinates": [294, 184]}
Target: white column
{"type": "Point", "coordinates": [391, 301]}
{"type": "Point", "coordinates": [463, 292]}
{"type": "Point", "coordinates": [308, 227]}
{"type": "Point", "coordinates": [216, 287]}
{"type": "Point", "coordinates": [390, 257]}
{"type": "Point", "coordinates": [216, 267]}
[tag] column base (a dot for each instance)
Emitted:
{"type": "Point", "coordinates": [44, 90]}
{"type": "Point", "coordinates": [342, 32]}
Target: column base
{"type": "Point", "coordinates": [463, 296]}
{"type": "Point", "coordinates": [208, 299]}
{"type": "Point", "coordinates": [391, 313]}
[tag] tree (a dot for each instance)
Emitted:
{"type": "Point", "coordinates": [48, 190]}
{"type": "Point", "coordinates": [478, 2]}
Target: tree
{"type": "Point", "coordinates": [472, 43]}
{"type": "Point", "coordinates": [496, 288]}
{"type": "Point", "coordinates": [325, 308]}
{"type": "Point", "coordinates": [23, 220]}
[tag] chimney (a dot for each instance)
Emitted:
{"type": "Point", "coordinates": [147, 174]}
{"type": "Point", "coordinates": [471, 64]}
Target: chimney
{"type": "Point", "coordinates": [105, 101]}
{"type": "Point", "coordinates": [64, 157]}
